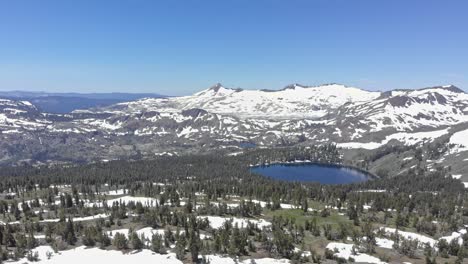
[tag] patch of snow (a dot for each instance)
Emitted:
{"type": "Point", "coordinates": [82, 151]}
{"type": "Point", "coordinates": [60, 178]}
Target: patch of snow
{"type": "Point", "coordinates": [406, 138]}
{"type": "Point", "coordinates": [384, 243]}
{"type": "Point", "coordinates": [412, 236]}
{"type": "Point", "coordinates": [217, 222]}
{"type": "Point", "coordinates": [82, 254]}
{"type": "Point", "coordinates": [455, 235]}
{"type": "Point", "coordinates": [216, 259]}
{"type": "Point", "coordinates": [460, 139]}
{"type": "Point", "coordinates": [346, 251]}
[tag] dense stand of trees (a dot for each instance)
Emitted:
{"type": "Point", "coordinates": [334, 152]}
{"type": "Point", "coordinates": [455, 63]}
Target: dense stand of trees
{"type": "Point", "coordinates": [415, 199]}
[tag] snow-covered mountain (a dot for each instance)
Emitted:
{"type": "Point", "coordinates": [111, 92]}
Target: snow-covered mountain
{"type": "Point", "coordinates": [410, 110]}
{"type": "Point", "coordinates": [222, 118]}
{"type": "Point", "coordinates": [17, 116]}
{"type": "Point", "coordinates": [292, 102]}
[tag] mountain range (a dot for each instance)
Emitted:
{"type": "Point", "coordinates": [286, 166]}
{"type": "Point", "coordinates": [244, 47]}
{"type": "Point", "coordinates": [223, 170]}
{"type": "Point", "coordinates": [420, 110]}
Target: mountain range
{"type": "Point", "coordinates": [229, 120]}
{"type": "Point", "coordinates": [67, 102]}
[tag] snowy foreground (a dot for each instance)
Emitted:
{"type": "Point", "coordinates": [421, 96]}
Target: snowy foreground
{"type": "Point", "coordinates": [346, 251]}
{"type": "Point", "coordinates": [81, 255]}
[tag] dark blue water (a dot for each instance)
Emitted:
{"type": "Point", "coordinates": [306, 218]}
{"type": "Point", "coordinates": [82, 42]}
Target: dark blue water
{"type": "Point", "coordinates": [247, 145]}
{"type": "Point", "coordinates": [310, 172]}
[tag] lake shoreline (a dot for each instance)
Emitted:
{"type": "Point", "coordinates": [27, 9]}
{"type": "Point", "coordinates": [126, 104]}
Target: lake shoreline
{"type": "Point", "coordinates": [270, 170]}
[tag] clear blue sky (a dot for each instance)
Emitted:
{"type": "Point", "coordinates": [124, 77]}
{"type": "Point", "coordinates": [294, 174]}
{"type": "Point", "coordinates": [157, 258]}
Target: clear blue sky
{"type": "Point", "coordinates": [179, 47]}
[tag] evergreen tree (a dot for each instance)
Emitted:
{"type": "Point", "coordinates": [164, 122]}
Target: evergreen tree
{"type": "Point", "coordinates": [157, 244]}
{"type": "Point", "coordinates": [135, 241]}
{"type": "Point", "coordinates": [180, 247]}
{"type": "Point", "coordinates": [69, 234]}
{"type": "Point", "coordinates": [120, 241]}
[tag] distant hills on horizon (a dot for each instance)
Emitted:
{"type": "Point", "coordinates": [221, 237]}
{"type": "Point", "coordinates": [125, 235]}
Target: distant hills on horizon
{"type": "Point", "coordinates": [66, 102]}
{"type": "Point", "coordinates": [69, 101]}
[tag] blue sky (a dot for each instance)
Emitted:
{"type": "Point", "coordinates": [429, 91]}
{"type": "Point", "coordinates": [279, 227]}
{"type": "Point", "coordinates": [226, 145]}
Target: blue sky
{"type": "Point", "coordinates": [179, 47]}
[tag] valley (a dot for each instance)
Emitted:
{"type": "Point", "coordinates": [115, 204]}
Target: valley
{"type": "Point", "coordinates": [233, 132]}
{"type": "Point", "coordinates": [218, 120]}
{"type": "Point", "coordinates": [176, 180]}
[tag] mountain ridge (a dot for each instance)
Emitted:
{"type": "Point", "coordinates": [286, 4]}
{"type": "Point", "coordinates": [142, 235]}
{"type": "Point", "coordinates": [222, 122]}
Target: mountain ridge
{"type": "Point", "coordinates": [67, 102]}
{"type": "Point", "coordinates": [220, 118]}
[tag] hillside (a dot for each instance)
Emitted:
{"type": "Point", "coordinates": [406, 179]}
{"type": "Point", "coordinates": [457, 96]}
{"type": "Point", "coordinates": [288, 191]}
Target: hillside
{"type": "Point", "coordinates": [228, 120]}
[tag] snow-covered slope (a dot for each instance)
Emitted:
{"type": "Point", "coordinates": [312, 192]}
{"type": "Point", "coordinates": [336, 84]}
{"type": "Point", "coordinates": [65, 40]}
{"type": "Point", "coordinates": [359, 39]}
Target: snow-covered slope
{"type": "Point", "coordinates": [409, 110]}
{"type": "Point", "coordinates": [219, 117]}
{"type": "Point", "coordinates": [292, 102]}
{"type": "Point", "coordinates": [17, 116]}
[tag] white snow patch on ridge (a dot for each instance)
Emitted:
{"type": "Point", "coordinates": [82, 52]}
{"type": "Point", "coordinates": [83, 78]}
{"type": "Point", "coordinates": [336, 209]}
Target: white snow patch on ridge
{"type": "Point", "coordinates": [357, 145]}
{"type": "Point", "coordinates": [406, 138]}
{"type": "Point", "coordinates": [460, 139]}
{"type": "Point", "coordinates": [294, 102]}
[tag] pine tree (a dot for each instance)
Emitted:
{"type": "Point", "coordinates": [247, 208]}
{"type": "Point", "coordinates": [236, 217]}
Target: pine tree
{"type": "Point", "coordinates": [120, 241]}
{"type": "Point", "coordinates": [89, 234]}
{"type": "Point", "coordinates": [180, 247]}
{"type": "Point", "coordinates": [104, 240]}
{"type": "Point", "coordinates": [31, 241]}
{"type": "Point", "coordinates": [69, 234]}
{"type": "Point", "coordinates": [305, 205]}
{"type": "Point", "coordinates": [135, 241]}
{"type": "Point", "coordinates": [157, 244]}
{"type": "Point", "coordinates": [194, 245]}
{"type": "Point", "coordinates": [21, 244]}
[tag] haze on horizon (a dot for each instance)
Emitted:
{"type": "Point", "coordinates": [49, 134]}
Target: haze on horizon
{"type": "Point", "coordinates": [181, 47]}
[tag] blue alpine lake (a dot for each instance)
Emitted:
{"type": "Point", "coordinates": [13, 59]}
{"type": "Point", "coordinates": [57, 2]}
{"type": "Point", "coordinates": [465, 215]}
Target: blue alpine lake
{"type": "Point", "coordinates": [312, 172]}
